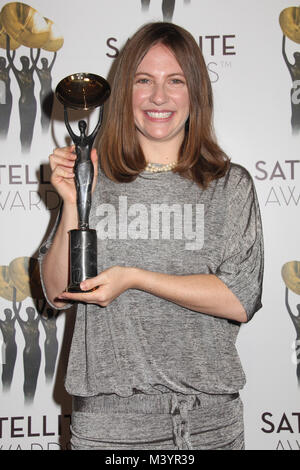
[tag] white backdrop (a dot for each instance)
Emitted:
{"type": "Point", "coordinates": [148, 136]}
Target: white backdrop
{"type": "Point", "coordinates": [242, 43]}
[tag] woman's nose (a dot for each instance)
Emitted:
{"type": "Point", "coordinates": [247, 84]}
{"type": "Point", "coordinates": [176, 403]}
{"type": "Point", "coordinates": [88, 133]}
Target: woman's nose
{"type": "Point", "coordinates": [159, 94]}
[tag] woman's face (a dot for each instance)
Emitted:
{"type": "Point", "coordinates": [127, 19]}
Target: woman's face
{"type": "Point", "coordinates": [160, 97]}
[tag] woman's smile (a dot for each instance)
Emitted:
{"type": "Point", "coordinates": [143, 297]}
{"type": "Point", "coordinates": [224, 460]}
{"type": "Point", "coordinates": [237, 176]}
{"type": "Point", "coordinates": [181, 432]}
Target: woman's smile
{"type": "Point", "coordinates": [159, 115]}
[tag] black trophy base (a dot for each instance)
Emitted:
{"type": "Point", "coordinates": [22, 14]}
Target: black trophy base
{"type": "Point", "coordinates": [83, 258]}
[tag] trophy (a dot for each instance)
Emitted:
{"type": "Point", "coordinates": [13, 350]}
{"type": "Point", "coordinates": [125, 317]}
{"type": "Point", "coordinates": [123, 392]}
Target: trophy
{"type": "Point", "coordinates": [82, 91]}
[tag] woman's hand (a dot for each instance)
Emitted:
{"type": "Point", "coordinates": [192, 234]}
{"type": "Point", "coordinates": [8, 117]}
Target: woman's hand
{"type": "Point", "coordinates": [108, 285]}
{"type": "Point", "coordinates": [62, 163]}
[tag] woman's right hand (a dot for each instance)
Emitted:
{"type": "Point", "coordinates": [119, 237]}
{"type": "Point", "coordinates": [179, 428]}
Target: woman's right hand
{"type": "Point", "coordinates": [62, 163]}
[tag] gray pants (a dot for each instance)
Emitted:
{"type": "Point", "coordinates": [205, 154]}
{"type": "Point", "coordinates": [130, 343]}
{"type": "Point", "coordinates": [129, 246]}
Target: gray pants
{"type": "Point", "coordinates": [166, 421]}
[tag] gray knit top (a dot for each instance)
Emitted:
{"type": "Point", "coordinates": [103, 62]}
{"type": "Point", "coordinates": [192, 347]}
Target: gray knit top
{"type": "Point", "coordinates": [165, 223]}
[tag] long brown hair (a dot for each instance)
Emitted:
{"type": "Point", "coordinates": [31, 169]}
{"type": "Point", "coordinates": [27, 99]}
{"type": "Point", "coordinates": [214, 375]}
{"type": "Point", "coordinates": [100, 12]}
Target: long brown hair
{"type": "Point", "coordinates": [200, 157]}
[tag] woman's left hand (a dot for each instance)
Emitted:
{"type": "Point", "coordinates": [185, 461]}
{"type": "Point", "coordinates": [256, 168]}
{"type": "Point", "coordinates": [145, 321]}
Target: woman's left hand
{"type": "Point", "coordinates": [108, 285]}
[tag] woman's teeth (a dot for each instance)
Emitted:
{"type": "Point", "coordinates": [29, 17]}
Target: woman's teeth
{"type": "Point", "coordinates": [157, 115]}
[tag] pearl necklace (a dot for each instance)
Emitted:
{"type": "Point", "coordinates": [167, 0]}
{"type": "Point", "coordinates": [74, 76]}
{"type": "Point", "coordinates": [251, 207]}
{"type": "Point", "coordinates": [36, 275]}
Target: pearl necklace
{"type": "Point", "coordinates": [157, 168]}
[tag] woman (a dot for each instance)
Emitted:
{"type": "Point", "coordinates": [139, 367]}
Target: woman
{"type": "Point", "coordinates": [153, 363]}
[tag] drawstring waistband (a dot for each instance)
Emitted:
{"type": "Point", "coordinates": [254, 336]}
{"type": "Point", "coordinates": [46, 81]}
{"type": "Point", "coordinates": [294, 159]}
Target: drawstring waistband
{"type": "Point", "coordinates": [180, 420]}
{"type": "Point", "coordinates": [176, 404]}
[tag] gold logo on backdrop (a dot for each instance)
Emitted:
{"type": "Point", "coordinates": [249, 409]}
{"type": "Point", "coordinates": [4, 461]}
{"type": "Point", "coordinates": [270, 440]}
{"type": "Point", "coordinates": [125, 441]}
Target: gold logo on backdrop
{"type": "Point", "coordinates": [289, 21]}
{"type": "Point", "coordinates": [27, 27]}
{"type": "Point", "coordinates": [22, 25]}
{"type": "Point", "coordinates": [291, 275]}
{"type": "Point", "coordinates": [19, 280]}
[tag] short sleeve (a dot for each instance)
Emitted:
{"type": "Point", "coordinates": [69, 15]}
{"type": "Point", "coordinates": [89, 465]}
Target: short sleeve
{"type": "Point", "coordinates": [43, 250]}
{"type": "Point", "coordinates": [243, 256]}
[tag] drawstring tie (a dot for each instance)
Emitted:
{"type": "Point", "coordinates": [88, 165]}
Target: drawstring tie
{"type": "Point", "coordinates": [180, 420]}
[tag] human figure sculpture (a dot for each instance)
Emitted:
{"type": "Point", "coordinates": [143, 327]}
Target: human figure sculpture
{"type": "Point", "coordinates": [27, 101]}
{"type": "Point", "coordinates": [167, 8]}
{"type": "Point", "coordinates": [51, 343]}
{"type": "Point", "coordinates": [8, 330]}
{"type": "Point", "coordinates": [5, 96]}
{"type": "Point", "coordinates": [31, 352]}
{"type": "Point", "coordinates": [294, 70]}
{"type": "Point", "coordinates": [83, 169]}
{"type": "Point", "coordinates": [46, 93]}
{"type": "Point", "coordinates": [296, 321]}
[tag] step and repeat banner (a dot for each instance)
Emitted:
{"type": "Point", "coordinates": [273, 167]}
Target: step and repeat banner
{"type": "Point", "coordinates": [252, 51]}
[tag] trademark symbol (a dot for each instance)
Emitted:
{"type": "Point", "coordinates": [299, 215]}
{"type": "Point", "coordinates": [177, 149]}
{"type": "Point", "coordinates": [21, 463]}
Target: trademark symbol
{"type": "Point", "coordinates": [225, 64]}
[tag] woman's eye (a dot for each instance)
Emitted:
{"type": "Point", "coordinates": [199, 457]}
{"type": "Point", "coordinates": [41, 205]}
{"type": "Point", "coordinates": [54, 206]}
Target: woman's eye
{"type": "Point", "coordinates": [143, 81]}
{"type": "Point", "coordinates": [177, 81]}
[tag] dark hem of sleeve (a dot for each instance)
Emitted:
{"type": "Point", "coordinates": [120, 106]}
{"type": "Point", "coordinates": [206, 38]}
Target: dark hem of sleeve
{"type": "Point", "coordinates": [238, 289]}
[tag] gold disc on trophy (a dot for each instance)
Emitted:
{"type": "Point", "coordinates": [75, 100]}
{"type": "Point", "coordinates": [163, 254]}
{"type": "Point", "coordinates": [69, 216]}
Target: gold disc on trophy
{"type": "Point", "coordinates": [7, 286]}
{"type": "Point", "coordinates": [291, 275]}
{"type": "Point", "coordinates": [12, 43]}
{"type": "Point", "coordinates": [21, 273]}
{"type": "Point", "coordinates": [289, 20]}
{"type": "Point", "coordinates": [24, 24]}
{"type": "Point", "coordinates": [55, 40]}
{"type": "Point", "coordinates": [82, 91]}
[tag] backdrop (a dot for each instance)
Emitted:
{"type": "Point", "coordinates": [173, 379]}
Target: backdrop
{"type": "Point", "coordinates": [252, 53]}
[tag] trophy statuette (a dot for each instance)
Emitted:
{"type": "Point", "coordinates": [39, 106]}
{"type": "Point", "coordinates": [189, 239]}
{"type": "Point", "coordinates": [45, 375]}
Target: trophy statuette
{"type": "Point", "coordinates": [82, 91]}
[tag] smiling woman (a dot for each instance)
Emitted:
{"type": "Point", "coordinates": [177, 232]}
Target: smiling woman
{"type": "Point", "coordinates": [164, 49]}
{"type": "Point", "coordinates": [153, 363]}
{"type": "Point", "coordinates": [160, 104]}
